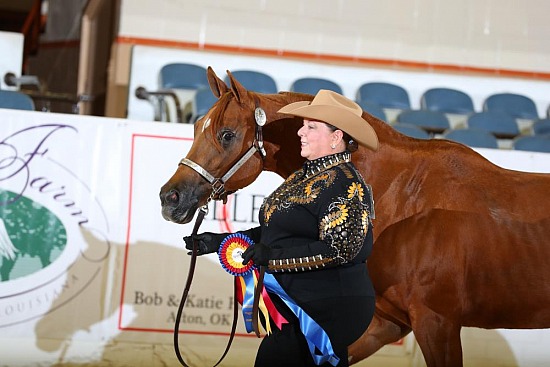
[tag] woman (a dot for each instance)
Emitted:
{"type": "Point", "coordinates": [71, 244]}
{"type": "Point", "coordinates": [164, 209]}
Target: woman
{"type": "Point", "coordinates": [315, 234]}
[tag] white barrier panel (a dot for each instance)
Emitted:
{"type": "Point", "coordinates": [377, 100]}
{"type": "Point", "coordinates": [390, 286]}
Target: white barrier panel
{"type": "Point", "coordinates": [11, 49]}
{"type": "Point", "coordinates": [87, 259]}
{"type": "Point", "coordinates": [90, 270]}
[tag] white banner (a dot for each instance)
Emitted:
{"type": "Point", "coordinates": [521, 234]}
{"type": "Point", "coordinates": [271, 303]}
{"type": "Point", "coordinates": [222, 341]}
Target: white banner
{"type": "Point", "coordinates": [86, 256]}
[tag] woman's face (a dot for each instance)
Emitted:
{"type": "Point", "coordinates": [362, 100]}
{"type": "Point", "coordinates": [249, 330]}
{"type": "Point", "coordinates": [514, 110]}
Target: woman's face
{"type": "Point", "coordinates": [316, 139]}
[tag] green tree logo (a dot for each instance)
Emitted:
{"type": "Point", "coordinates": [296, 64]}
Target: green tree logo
{"type": "Point", "coordinates": [31, 236]}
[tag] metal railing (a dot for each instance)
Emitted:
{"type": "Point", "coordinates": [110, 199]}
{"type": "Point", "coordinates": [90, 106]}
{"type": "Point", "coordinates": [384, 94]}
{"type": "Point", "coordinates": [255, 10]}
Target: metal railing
{"type": "Point", "coordinates": [157, 99]}
{"type": "Point", "coordinates": [41, 93]}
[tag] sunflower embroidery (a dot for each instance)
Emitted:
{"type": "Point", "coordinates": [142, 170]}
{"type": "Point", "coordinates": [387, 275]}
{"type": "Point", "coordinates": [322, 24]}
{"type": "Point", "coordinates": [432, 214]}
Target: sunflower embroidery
{"type": "Point", "coordinates": [336, 217]}
{"type": "Point", "coordinates": [355, 189]}
{"type": "Point", "coordinates": [296, 191]}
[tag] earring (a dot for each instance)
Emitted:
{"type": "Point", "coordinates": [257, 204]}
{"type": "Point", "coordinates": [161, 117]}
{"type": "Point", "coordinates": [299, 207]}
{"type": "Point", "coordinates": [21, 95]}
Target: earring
{"type": "Point", "coordinates": [333, 146]}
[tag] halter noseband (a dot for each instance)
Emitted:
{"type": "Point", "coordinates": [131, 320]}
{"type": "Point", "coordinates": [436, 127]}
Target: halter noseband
{"type": "Point", "coordinates": [218, 184]}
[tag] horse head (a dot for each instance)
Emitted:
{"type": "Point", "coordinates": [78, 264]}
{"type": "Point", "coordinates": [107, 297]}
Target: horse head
{"type": "Point", "coordinates": [229, 151]}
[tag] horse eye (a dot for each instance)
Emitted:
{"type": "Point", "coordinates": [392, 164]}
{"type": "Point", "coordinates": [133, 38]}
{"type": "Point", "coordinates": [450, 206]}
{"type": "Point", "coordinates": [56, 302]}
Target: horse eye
{"type": "Point", "coordinates": [227, 137]}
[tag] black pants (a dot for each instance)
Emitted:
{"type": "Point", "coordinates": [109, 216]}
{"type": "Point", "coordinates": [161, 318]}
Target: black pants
{"type": "Point", "coordinates": [344, 319]}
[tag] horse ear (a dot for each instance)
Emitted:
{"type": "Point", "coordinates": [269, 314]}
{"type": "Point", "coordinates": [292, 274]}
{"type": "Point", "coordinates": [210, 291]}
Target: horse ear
{"type": "Point", "coordinates": [217, 85]}
{"type": "Point", "coordinates": [237, 88]}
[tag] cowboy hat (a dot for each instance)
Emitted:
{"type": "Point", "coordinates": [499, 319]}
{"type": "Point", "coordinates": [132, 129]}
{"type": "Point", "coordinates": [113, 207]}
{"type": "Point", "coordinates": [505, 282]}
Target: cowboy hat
{"type": "Point", "coordinates": [337, 110]}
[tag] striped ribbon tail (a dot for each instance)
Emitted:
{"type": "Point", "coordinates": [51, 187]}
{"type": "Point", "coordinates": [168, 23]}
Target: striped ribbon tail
{"type": "Point", "coordinates": [316, 337]}
{"type": "Point", "coordinates": [246, 285]}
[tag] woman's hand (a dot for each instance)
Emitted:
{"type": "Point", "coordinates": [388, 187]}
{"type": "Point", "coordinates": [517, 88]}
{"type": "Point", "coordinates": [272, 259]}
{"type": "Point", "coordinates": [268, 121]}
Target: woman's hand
{"type": "Point", "coordinates": [259, 253]}
{"type": "Point", "coordinates": [207, 242]}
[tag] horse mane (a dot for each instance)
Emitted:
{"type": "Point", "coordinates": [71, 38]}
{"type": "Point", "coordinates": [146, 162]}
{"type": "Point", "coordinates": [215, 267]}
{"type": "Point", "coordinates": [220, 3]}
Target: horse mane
{"type": "Point", "coordinates": [434, 146]}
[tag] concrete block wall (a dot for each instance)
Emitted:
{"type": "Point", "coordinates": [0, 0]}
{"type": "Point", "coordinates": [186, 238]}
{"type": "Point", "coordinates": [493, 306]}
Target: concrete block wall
{"type": "Point", "coordinates": [497, 35]}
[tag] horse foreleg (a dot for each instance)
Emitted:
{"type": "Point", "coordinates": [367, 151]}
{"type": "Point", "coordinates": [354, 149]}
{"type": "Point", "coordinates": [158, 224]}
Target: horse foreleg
{"type": "Point", "coordinates": [379, 333]}
{"type": "Point", "coordinates": [438, 337]}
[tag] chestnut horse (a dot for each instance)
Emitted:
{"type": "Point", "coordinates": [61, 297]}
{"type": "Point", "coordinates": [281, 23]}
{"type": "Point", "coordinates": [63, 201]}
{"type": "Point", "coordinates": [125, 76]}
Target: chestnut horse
{"type": "Point", "coordinates": [459, 241]}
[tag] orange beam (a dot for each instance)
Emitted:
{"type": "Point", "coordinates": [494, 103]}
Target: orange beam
{"type": "Point", "coordinates": [387, 63]}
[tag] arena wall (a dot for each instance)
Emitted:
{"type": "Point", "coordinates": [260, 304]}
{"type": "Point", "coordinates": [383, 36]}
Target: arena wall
{"type": "Point", "coordinates": [457, 36]}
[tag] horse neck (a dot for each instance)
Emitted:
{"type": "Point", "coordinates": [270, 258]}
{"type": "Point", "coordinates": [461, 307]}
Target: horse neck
{"type": "Point", "coordinates": [280, 134]}
{"type": "Point", "coordinates": [283, 147]}
{"type": "Point", "coordinates": [391, 170]}
{"type": "Point", "coordinates": [283, 144]}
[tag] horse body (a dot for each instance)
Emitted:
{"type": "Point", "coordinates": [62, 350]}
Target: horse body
{"type": "Point", "coordinates": [458, 240]}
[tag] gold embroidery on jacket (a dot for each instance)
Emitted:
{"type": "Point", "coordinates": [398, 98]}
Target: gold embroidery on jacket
{"type": "Point", "coordinates": [345, 225]}
{"type": "Point", "coordinates": [296, 191]}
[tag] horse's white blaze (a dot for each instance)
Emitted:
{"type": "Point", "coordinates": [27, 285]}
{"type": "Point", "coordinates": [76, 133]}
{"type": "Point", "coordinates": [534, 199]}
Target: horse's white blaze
{"type": "Point", "coordinates": [205, 124]}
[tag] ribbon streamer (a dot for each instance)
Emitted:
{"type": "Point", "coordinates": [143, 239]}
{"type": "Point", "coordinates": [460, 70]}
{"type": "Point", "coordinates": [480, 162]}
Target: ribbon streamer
{"type": "Point", "coordinates": [316, 337]}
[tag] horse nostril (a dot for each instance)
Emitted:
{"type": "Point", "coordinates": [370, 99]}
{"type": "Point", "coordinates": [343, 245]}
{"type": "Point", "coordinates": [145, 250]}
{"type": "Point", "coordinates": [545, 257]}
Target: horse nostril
{"type": "Point", "coordinates": [172, 197]}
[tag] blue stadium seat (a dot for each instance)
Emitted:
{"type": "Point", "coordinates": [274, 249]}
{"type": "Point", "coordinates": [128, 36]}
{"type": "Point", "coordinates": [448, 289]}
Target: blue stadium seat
{"type": "Point", "coordinates": [256, 81]}
{"type": "Point", "coordinates": [204, 99]}
{"type": "Point", "coordinates": [177, 83]}
{"type": "Point", "coordinates": [533, 143]}
{"type": "Point", "coordinates": [517, 105]}
{"type": "Point", "coordinates": [472, 137]}
{"type": "Point", "coordinates": [373, 109]}
{"type": "Point", "coordinates": [541, 127]}
{"type": "Point", "coordinates": [411, 130]}
{"type": "Point", "coordinates": [447, 100]}
{"type": "Point", "coordinates": [431, 121]}
{"type": "Point", "coordinates": [16, 100]}
{"type": "Point", "coordinates": [386, 95]}
{"type": "Point", "coordinates": [182, 76]}
{"type": "Point", "coordinates": [498, 123]}
{"type": "Point", "coordinates": [313, 85]}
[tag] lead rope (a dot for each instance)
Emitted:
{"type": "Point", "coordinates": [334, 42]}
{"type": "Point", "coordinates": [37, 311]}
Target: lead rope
{"type": "Point", "coordinates": [202, 212]}
{"type": "Point", "coordinates": [219, 190]}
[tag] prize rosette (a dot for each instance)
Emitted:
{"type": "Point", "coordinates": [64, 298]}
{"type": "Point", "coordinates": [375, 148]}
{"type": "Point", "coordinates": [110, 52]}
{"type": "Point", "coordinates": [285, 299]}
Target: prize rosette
{"type": "Point", "coordinates": [230, 254]}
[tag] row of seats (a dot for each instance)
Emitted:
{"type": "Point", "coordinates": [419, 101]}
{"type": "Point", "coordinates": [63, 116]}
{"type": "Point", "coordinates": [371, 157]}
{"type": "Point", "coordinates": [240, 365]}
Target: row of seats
{"type": "Point", "coordinates": [496, 121]}
{"type": "Point", "coordinates": [478, 138]}
{"type": "Point", "coordinates": [374, 97]}
{"type": "Point", "coordinates": [447, 100]}
{"type": "Point", "coordinates": [190, 76]}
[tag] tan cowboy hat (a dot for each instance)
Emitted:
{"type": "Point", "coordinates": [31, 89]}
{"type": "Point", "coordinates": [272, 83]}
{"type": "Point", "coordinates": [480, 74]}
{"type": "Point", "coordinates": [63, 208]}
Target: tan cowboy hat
{"type": "Point", "coordinates": [337, 110]}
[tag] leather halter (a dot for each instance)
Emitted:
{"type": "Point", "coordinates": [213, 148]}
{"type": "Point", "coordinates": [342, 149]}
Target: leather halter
{"type": "Point", "coordinates": [219, 193]}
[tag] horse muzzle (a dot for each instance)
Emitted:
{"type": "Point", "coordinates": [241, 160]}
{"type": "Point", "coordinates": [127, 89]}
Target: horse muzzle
{"type": "Point", "coordinates": [178, 206]}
